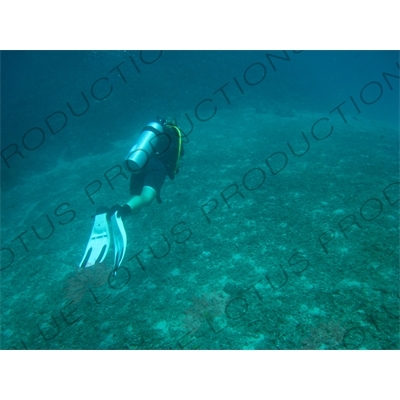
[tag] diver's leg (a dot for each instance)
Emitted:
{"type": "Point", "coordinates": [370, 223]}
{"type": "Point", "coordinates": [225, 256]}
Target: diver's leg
{"type": "Point", "coordinates": [145, 199]}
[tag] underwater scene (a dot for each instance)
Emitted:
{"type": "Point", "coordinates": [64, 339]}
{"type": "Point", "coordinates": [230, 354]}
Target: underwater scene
{"type": "Point", "coordinates": [280, 229]}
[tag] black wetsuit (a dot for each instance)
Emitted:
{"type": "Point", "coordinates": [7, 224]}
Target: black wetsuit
{"type": "Point", "coordinates": [160, 165]}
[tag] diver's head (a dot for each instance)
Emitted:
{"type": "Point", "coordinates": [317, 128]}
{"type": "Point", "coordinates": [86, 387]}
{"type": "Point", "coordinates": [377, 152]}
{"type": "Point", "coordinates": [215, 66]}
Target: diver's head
{"type": "Point", "coordinates": [167, 121]}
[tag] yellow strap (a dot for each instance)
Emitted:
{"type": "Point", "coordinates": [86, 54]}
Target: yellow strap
{"type": "Point", "coordinates": [179, 146]}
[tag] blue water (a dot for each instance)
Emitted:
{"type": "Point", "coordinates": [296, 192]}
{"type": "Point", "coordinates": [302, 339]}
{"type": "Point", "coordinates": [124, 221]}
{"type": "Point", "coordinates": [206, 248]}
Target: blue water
{"type": "Point", "coordinates": [281, 230]}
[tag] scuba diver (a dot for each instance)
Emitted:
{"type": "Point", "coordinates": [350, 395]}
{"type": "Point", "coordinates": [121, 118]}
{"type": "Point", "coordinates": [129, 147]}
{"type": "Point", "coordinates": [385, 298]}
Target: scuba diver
{"type": "Point", "coordinates": [155, 155]}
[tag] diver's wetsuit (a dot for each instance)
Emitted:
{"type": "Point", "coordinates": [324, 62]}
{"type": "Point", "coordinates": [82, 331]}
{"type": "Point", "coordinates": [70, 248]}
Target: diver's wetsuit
{"type": "Point", "coordinates": [159, 166]}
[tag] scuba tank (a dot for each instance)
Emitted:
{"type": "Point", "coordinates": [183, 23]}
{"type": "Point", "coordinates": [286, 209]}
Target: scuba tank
{"type": "Point", "coordinates": [152, 140]}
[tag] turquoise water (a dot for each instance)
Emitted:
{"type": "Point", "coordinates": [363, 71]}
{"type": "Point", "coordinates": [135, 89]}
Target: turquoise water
{"type": "Point", "coordinates": [281, 230]}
